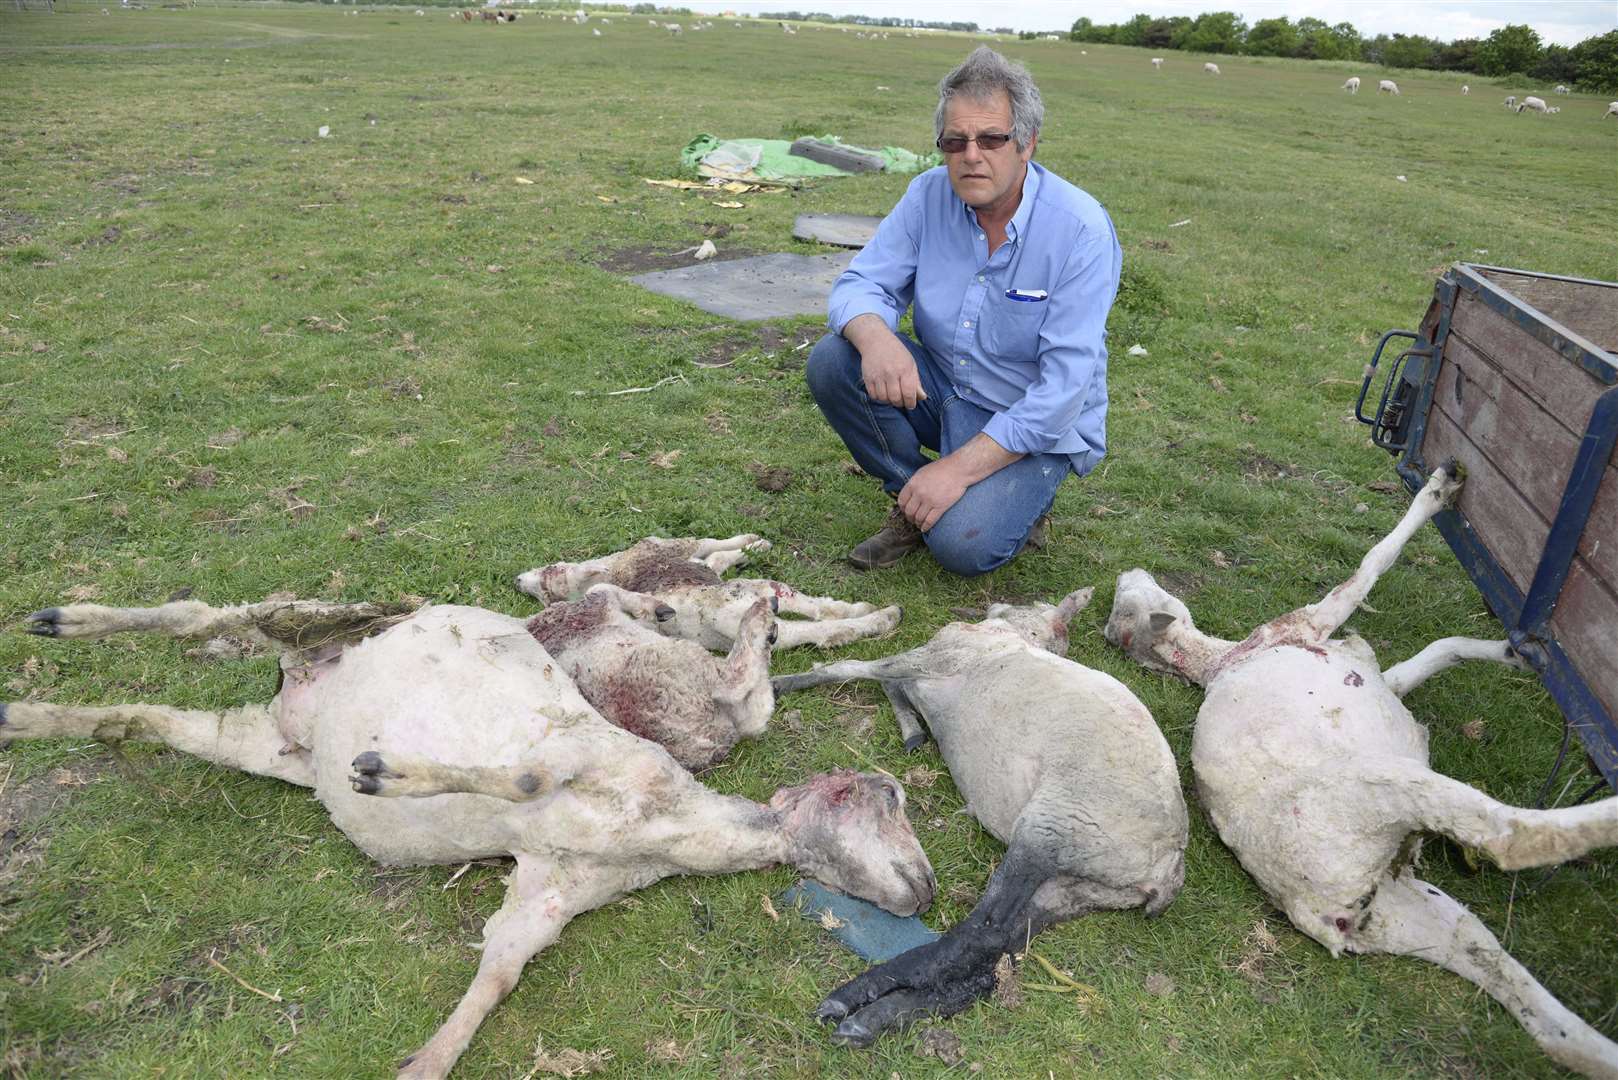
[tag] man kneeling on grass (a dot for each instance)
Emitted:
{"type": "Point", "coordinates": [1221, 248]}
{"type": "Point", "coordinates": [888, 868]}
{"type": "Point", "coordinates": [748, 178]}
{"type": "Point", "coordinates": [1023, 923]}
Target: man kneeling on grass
{"type": "Point", "coordinates": [1012, 271]}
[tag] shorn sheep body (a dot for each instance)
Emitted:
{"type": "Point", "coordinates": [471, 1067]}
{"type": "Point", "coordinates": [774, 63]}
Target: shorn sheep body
{"type": "Point", "coordinates": [1316, 776]}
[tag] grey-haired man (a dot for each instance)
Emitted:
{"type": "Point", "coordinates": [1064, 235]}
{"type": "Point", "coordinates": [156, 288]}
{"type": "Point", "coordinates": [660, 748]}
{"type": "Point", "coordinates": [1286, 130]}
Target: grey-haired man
{"type": "Point", "coordinates": [1012, 271]}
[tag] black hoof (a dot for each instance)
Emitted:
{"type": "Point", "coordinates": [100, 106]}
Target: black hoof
{"type": "Point", "coordinates": [405, 1064]}
{"type": "Point", "coordinates": [775, 603]}
{"type": "Point", "coordinates": [664, 613]}
{"type": "Point", "coordinates": [3, 708]}
{"type": "Point", "coordinates": [45, 623]}
{"type": "Point", "coordinates": [853, 1033]}
{"type": "Point", "coordinates": [365, 785]}
{"type": "Point", "coordinates": [916, 741]}
{"type": "Point", "coordinates": [773, 635]}
{"type": "Point", "coordinates": [369, 764]}
{"type": "Point", "coordinates": [830, 1010]}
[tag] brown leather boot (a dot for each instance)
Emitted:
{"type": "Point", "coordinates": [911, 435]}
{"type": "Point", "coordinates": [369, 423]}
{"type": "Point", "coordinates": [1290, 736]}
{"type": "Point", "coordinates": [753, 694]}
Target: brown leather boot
{"type": "Point", "coordinates": [1040, 534]}
{"type": "Point", "coordinates": [898, 538]}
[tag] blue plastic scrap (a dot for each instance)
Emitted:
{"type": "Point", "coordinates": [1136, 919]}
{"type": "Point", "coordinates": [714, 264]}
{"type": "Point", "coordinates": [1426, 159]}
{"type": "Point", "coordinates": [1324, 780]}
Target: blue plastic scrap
{"type": "Point", "coordinates": [865, 928]}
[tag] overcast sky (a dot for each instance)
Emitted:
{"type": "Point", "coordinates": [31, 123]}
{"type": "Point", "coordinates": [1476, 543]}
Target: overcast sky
{"type": "Point", "coordinates": [1562, 22]}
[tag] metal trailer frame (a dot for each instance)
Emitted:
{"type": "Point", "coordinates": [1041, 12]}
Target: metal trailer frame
{"type": "Point", "coordinates": [1398, 426]}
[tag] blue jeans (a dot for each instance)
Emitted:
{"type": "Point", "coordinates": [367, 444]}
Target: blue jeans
{"type": "Point", "coordinates": [991, 522]}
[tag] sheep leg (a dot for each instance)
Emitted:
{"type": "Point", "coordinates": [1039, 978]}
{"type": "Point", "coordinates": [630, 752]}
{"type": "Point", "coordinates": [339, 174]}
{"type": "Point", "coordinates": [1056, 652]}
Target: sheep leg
{"type": "Point", "coordinates": [530, 919]}
{"type": "Point", "coordinates": [1412, 918]}
{"type": "Point", "coordinates": [1324, 618]}
{"type": "Point", "coordinates": [1514, 837]}
{"type": "Point", "coordinates": [246, 738]}
{"type": "Point", "coordinates": [722, 555]}
{"type": "Point", "coordinates": [401, 777]}
{"type": "Point", "coordinates": [744, 693]}
{"type": "Point", "coordinates": [912, 664]}
{"type": "Point", "coordinates": [912, 725]}
{"type": "Point", "coordinates": [794, 602]}
{"type": "Point", "coordinates": [944, 976]}
{"type": "Point", "coordinates": [830, 633]}
{"type": "Point", "coordinates": [1443, 654]}
{"type": "Point", "coordinates": [284, 624]}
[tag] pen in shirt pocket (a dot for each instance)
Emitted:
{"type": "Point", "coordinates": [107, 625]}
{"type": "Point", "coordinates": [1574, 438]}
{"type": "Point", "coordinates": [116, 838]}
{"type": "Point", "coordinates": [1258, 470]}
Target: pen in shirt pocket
{"type": "Point", "coordinates": [1027, 296]}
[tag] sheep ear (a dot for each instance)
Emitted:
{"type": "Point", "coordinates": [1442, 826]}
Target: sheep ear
{"type": "Point", "coordinates": [1073, 603]}
{"type": "Point", "coordinates": [1161, 620]}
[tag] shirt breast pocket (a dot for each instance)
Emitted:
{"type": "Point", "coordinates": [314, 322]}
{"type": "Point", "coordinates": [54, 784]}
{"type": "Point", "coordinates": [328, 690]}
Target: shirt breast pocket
{"type": "Point", "coordinates": [1012, 331]}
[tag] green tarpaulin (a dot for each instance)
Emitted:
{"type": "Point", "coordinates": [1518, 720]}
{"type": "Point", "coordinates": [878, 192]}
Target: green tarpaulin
{"type": "Point", "coordinates": [770, 159]}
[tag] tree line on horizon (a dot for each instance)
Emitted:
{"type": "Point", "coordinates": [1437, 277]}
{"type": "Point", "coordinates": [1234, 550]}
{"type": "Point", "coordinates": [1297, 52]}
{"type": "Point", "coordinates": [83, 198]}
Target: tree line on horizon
{"type": "Point", "coordinates": [1590, 65]}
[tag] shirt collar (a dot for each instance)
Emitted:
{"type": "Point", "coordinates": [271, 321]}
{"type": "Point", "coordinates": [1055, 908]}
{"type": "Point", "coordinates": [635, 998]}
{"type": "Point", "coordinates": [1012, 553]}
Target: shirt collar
{"type": "Point", "coordinates": [1030, 190]}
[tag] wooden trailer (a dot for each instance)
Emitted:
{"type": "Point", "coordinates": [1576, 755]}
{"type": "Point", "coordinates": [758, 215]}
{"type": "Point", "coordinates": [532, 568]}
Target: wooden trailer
{"type": "Point", "coordinates": [1515, 375]}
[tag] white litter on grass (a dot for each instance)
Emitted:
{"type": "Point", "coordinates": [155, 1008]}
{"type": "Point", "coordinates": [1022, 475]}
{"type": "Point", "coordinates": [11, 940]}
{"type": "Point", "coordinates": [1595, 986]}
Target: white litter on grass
{"type": "Point", "coordinates": [1400, 178]}
{"type": "Point", "coordinates": [706, 251]}
{"type": "Point", "coordinates": [1138, 350]}
{"type": "Point", "coordinates": [1177, 224]}
{"type": "Point", "coordinates": [324, 131]}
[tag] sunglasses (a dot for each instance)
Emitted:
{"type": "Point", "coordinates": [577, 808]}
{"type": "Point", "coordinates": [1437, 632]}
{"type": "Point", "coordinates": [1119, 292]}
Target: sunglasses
{"type": "Point", "coordinates": [988, 140]}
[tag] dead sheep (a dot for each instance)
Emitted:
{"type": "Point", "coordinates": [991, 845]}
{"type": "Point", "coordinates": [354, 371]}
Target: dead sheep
{"type": "Point", "coordinates": [684, 574]}
{"type": "Point", "coordinates": [1060, 762]}
{"type": "Point", "coordinates": [487, 749]}
{"type": "Point", "coordinates": [675, 693]}
{"type": "Point", "coordinates": [1316, 776]}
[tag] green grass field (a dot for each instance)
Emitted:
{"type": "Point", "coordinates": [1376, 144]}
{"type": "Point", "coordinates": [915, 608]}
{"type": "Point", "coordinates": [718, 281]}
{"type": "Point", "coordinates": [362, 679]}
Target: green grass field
{"type": "Point", "coordinates": [238, 358]}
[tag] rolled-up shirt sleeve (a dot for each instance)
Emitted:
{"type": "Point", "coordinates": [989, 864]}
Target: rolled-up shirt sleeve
{"type": "Point", "coordinates": [882, 278]}
{"type": "Point", "coordinates": [1072, 356]}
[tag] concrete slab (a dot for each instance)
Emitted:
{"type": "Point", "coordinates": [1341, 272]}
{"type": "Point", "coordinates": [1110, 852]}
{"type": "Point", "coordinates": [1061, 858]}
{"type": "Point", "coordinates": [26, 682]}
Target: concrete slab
{"type": "Point", "coordinates": [844, 230]}
{"type": "Point", "coordinates": [763, 287]}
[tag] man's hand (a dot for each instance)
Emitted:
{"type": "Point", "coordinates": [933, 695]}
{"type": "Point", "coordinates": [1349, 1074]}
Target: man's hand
{"type": "Point", "coordinates": [939, 485]}
{"type": "Point", "coordinates": [933, 489]}
{"type": "Point", "coordinates": [887, 368]}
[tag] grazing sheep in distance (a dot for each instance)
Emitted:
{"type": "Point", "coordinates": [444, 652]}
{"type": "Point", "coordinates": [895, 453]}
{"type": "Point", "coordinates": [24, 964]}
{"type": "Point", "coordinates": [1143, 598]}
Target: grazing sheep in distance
{"type": "Point", "coordinates": [1352, 85]}
{"type": "Point", "coordinates": [1157, 62]}
{"type": "Point", "coordinates": [1388, 86]}
{"type": "Point", "coordinates": [1211, 68]}
{"type": "Point", "coordinates": [481, 746]}
{"type": "Point", "coordinates": [1317, 778]}
{"type": "Point", "coordinates": [1560, 89]}
{"type": "Point", "coordinates": [1612, 110]}
{"type": "Point", "coordinates": [1511, 101]}
{"type": "Point", "coordinates": [1060, 762]}
{"type": "Point", "coordinates": [1534, 103]}
{"type": "Point", "coordinates": [1465, 89]}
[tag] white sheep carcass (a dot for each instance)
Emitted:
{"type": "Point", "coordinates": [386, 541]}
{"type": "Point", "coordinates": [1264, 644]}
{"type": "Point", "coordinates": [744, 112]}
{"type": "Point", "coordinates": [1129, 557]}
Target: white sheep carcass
{"type": "Point", "coordinates": [1058, 761]}
{"type": "Point", "coordinates": [684, 574]}
{"type": "Point", "coordinates": [1536, 104]}
{"type": "Point", "coordinates": [1211, 68]}
{"type": "Point", "coordinates": [1352, 84]}
{"type": "Point", "coordinates": [494, 752]}
{"type": "Point", "coordinates": [1317, 778]}
{"type": "Point", "coordinates": [670, 691]}
{"type": "Point", "coordinates": [1388, 86]}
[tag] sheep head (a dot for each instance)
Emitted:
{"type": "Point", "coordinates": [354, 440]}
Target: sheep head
{"type": "Point", "coordinates": [848, 830]}
{"type": "Point", "coordinates": [1043, 625]}
{"type": "Point", "coordinates": [1142, 614]}
{"type": "Point", "coordinates": [559, 581]}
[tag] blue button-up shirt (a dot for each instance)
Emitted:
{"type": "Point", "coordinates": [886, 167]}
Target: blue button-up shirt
{"type": "Point", "coordinates": [1039, 365]}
